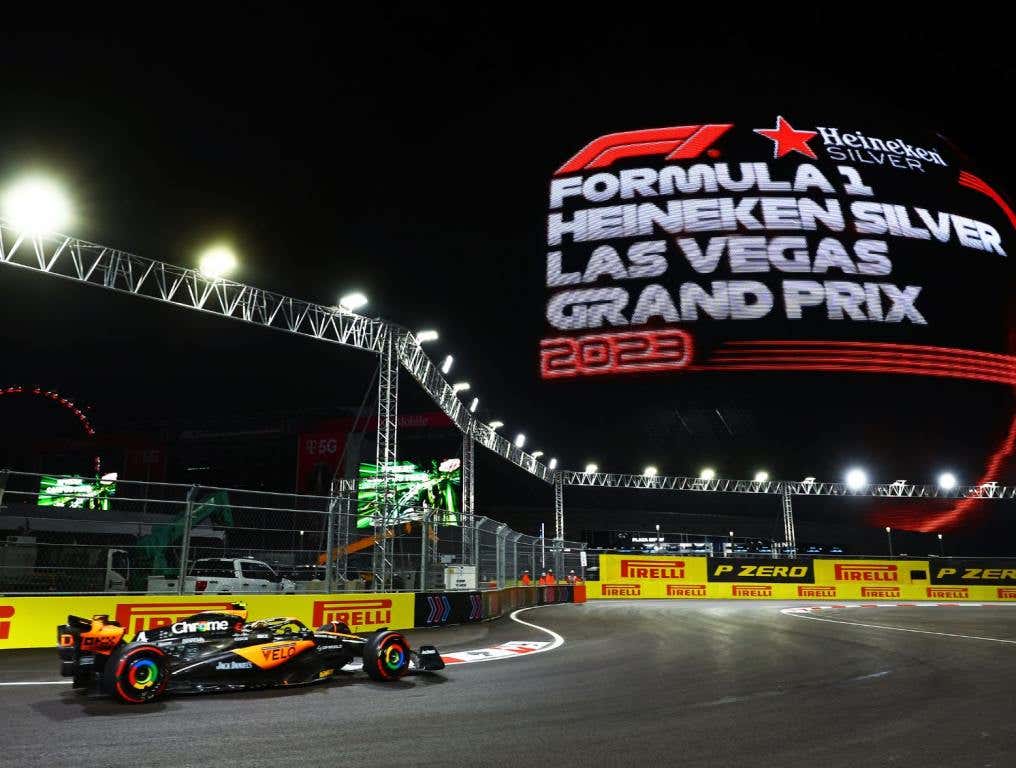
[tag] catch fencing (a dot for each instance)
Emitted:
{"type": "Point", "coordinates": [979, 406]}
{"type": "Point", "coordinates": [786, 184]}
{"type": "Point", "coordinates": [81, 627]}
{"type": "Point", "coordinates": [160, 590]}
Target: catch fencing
{"type": "Point", "coordinates": [67, 535]}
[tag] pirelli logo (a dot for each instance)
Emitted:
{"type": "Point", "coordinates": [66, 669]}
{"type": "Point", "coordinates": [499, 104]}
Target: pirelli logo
{"type": "Point", "coordinates": [881, 592]}
{"type": "Point", "coordinates": [861, 572]}
{"type": "Point", "coordinates": [803, 591]}
{"type": "Point", "coordinates": [751, 590]}
{"type": "Point", "coordinates": [621, 590]}
{"type": "Point", "coordinates": [139, 617]}
{"type": "Point", "coordinates": [1004, 593]}
{"type": "Point", "coordinates": [686, 590]}
{"type": "Point", "coordinates": [6, 614]}
{"type": "Point", "coordinates": [948, 593]}
{"type": "Point", "coordinates": [355, 613]}
{"type": "Point", "coordinates": [657, 568]}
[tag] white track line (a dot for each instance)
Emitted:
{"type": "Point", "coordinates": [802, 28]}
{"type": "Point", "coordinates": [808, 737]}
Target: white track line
{"type": "Point", "coordinates": [558, 641]}
{"type": "Point", "coordinates": [897, 629]}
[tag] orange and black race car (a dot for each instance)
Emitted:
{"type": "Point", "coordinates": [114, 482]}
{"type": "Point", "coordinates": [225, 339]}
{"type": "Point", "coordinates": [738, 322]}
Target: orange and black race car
{"type": "Point", "coordinates": [222, 651]}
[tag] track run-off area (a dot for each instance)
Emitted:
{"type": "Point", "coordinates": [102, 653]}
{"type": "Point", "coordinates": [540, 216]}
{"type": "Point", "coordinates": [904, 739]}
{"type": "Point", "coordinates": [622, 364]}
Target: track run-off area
{"type": "Point", "coordinates": [695, 682]}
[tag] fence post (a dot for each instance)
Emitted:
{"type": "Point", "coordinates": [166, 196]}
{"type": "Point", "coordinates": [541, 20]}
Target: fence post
{"type": "Point", "coordinates": [422, 586]}
{"type": "Point", "coordinates": [188, 519]}
{"type": "Point", "coordinates": [329, 539]}
{"type": "Point", "coordinates": [499, 540]}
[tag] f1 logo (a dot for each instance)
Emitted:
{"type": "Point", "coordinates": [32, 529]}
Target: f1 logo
{"type": "Point", "coordinates": [681, 142]}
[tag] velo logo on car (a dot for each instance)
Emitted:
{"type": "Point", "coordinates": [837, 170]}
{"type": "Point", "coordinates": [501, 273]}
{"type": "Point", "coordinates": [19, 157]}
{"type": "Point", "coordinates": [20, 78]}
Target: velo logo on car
{"type": "Point", "coordinates": [137, 617]}
{"type": "Point", "coordinates": [354, 612]}
{"type": "Point", "coordinates": [865, 572]}
{"type": "Point", "coordinates": [769, 571]}
{"type": "Point", "coordinates": [6, 614]}
{"type": "Point", "coordinates": [271, 655]}
{"type": "Point", "coordinates": [656, 568]}
{"type": "Point", "coordinates": [621, 590]}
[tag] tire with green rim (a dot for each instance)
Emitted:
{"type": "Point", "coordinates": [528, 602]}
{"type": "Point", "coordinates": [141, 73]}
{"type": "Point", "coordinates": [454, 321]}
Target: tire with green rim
{"type": "Point", "coordinates": [386, 656]}
{"type": "Point", "coordinates": [136, 675]}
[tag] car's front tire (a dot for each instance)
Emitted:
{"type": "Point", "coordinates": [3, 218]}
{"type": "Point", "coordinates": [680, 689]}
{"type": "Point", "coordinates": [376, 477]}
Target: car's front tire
{"type": "Point", "coordinates": [386, 656]}
{"type": "Point", "coordinates": [136, 675]}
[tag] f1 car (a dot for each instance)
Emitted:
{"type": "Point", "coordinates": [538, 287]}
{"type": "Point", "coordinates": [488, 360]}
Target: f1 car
{"type": "Point", "coordinates": [222, 651]}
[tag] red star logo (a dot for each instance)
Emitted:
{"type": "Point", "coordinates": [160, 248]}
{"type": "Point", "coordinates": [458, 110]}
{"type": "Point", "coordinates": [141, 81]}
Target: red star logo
{"type": "Point", "coordinates": [787, 140]}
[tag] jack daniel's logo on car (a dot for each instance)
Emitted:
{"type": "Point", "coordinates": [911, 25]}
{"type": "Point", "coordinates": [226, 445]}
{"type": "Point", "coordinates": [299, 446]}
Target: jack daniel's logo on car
{"type": "Point", "coordinates": [230, 665]}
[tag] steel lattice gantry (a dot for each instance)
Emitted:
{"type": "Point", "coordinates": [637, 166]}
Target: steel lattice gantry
{"type": "Point", "coordinates": [104, 267]}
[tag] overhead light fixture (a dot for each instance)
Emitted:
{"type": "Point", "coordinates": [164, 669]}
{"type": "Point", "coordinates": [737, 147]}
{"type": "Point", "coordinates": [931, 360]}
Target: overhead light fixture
{"type": "Point", "coordinates": [460, 386]}
{"type": "Point", "coordinates": [474, 404]}
{"type": "Point", "coordinates": [520, 440]}
{"type": "Point", "coordinates": [856, 479]}
{"type": "Point", "coordinates": [217, 262]}
{"type": "Point", "coordinates": [591, 468]}
{"type": "Point", "coordinates": [649, 472]}
{"type": "Point", "coordinates": [552, 464]}
{"type": "Point", "coordinates": [707, 473]}
{"type": "Point", "coordinates": [495, 425]}
{"type": "Point", "coordinates": [446, 366]}
{"type": "Point", "coordinates": [353, 301]}
{"type": "Point", "coordinates": [536, 454]}
{"type": "Point", "coordinates": [422, 337]}
{"type": "Point", "coordinates": [947, 481]}
{"type": "Point", "coordinates": [36, 206]}
{"type": "Point", "coordinates": [761, 476]}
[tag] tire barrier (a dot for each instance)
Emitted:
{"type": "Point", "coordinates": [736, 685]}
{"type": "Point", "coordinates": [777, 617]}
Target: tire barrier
{"type": "Point", "coordinates": [655, 577]}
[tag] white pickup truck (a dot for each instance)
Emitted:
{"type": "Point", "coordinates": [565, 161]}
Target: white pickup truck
{"type": "Point", "coordinates": [225, 576]}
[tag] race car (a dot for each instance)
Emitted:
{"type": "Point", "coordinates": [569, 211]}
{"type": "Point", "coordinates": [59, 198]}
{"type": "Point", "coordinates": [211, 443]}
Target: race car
{"type": "Point", "coordinates": [221, 651]}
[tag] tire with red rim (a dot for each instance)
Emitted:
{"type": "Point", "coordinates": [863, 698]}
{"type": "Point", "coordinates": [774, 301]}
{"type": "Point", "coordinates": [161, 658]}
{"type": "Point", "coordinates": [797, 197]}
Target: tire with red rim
{"type": "Point", "coordinates": [136, 675]}
{"type": "Point", "coordinates": [386, 656]}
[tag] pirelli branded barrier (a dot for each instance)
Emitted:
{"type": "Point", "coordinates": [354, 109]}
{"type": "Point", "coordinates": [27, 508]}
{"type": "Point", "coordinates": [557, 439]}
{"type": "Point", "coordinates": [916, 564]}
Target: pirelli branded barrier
{"type": "Point", "coordinates": [440, 608]}
{"type": "Point", "coordinates": [30, 622]}
{"type": "Point", "coordinates": [642, 576]}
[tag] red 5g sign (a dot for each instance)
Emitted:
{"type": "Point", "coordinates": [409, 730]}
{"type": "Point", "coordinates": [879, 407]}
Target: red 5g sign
{"type": "Point", "coordinates": [606, 353]}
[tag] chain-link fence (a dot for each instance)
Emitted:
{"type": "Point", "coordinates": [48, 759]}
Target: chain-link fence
{"type": "Point", "coordinates": [69, 535]}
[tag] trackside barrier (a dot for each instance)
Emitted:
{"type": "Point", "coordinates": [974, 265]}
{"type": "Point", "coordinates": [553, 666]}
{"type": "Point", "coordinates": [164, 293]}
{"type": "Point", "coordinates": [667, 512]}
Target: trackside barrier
{"type": "Point", "coordinates": [650, 576]}
{"type": "Point", "coordinates": [436, 609]}
{"type": "Point", "coordinates": [30, 622]}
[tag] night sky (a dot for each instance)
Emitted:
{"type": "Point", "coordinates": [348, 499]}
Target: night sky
{"type": "Point", "coordinates": [406, 153]}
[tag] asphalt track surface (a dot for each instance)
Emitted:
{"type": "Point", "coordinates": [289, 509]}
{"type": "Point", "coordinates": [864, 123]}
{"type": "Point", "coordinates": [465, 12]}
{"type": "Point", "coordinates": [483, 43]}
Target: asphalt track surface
{"type": "Point", "coordinates": [698, 683]}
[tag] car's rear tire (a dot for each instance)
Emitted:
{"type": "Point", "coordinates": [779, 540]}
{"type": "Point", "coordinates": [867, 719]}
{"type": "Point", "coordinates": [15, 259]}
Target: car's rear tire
{"type": "Point", "coordinates": [136, 675]}
{"type": "Point", "coordinates": [386, 656]}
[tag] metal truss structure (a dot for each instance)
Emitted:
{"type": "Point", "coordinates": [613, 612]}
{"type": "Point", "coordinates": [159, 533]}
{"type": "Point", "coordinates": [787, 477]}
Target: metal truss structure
{"type": "Point", "coordinates": [792, 487]}
{"type": "Point", "coordinates": [468, 498]}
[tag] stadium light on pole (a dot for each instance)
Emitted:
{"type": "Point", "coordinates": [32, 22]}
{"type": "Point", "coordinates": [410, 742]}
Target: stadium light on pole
{"type": "Point", "coordinates": [707, 473]}
{"type": "Point", "coordinates": [761, 476]}
{"type": "Point", "coordinates": [36, 206]}
{"type": "Point", "coordinates": [591, 468]}
{"type": "Point", "coordinates": [856, 479]}
{"type": "Point", "coordinates": [473, 405]}
{"type": "Point", "coordinates": [460, 386]}
{"type": "Point", "coordinates": [422, 337]}
{"type": "Point", "coordinates": [947, 481]}
{"type": "Point", "coordinates": [650, 471]}
{"type": "Point", "coordinates": [941, 546]}
{"type": "Point", "coordinates": [520, 440]}
{"type": "Point", "coordinates": [889, 536]}
{"type": "Point", "coordinates": [353, 301]}
{"type": "Point", "coordinates": [446, 366]}
{"type": "Point", "coordinates": [217, 262]}
{"type": "Point", "coordinates": [495, 425]}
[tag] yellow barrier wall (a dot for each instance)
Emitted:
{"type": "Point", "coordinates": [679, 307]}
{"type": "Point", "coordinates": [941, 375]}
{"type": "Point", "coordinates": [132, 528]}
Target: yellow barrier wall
{"type": "Point", "coordinates": [31, 622]}
{"type": "Point", "coordinates": [652, 576]}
